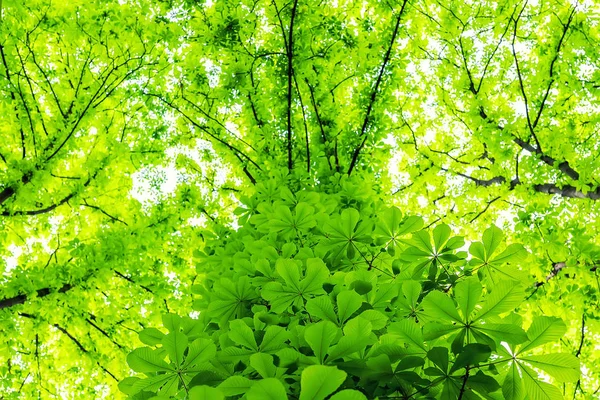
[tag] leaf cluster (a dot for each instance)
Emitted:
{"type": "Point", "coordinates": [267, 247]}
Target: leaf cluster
{"type": "Point", "coordinates": [312, 298]}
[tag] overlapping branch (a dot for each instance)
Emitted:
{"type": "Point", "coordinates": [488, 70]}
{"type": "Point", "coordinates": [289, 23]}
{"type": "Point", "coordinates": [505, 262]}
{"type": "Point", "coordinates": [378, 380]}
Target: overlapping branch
{"type": "Point", "coordinates": [386, 58]}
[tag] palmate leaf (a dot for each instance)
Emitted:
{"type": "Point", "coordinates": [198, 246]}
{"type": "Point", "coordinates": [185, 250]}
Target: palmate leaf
{"type": "Point", "coordinates": [494, 266]}
{"type": "Point", "coordinates": [512, 388]}
{"type": "Point", "coordinates": [200, 351]}
{"type": "Point", "coordinates": [467, 294]}
{"type": "Point", "coordinates": [439, 307]}
{"type": "Point", "coordinates": [296, 289]}
{"type": "Point", "coordinates": [204, 392]}
{"type": "Point", "coordinates": [348, 302]}
{"type": "Point", "coordinates": [175, 343]}
{"type": "Point", "coordinates": [522, 379]}
{"type": "Point", "coordinates": [242, 335]}
{"type": "Point", "coordinates": [320, 336]}
{"type": "Point", "coordinates": [348, 394]}
{"type": "Point", "coordinates": [410, 333]}
{"type": "Point", "coordinates": [274, 339]}
{"type": "Point", "coordinates": [228, 298]}
{"type": "Point", "coordinates": [165, 384]}
{"type": "Point", "coordinates": [437, 250]}
{"type": "Point", "coordinates": [292, 224]}
{"type": "Point", "coordinates": [267, 389]}
{"type": "Point", "coordinates": [506, 296]}
{"type": "Point", "coordinates": [319, 381]}
{"type": "Point", "coordinates": [562, 367]}
{"type": "Point", "coordinates": [263, 364]}
{"type": "Point", "coordinates": [543, 330]}
{"type": "Point", "coordinates": [343, 234]}
{"type": "Point", "coordinates": [145, 359]}
{"type": "Point", "coordinates": [235, 385]}
{"type": "Point", "coordinates": [509, 333]}
{"type": "Point", "coordinates": [537, 389]}
{"type": "Point", "coordinates": [392, 226]}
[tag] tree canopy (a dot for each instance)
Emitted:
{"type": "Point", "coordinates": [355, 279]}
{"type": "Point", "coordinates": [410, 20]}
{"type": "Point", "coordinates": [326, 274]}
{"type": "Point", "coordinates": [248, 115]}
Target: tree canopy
{"type": "Point", "coordinates": [299, 199]}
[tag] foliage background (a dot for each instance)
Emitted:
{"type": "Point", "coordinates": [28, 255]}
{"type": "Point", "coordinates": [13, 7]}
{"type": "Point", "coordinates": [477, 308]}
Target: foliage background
{"type": "Point", "coordinates": [466, 114]}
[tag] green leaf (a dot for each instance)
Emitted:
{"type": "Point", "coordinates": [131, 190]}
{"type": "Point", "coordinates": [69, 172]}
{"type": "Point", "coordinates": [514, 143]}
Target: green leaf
{"type": "Point", "coordinates": [348, 302]}
{"type": "Point", "coordinates": [512, 254]}
{"type": "Point", "coordinates": [165, 383]}
{"type": "Point", "coordinates": [544, 330]}
{"type": "Point", "coordinates": [263, 364]}
{"type": "Point", "coordinates": [145, 359]}
{"type": "Point", "coordinates": [439, 356]}
{"type": "Point", "coordinates": [316, 275]}
{"type": "Point", "coordinates": [422, 241]}
{"type": "Point", "coordinates": [289, 272]}
{"type": "Point", "coordinates": [319, 337]}
{"type": "Point", "coordinates": [467, 294]}
{"type": "Point", "coordinates": [377, 319]}
{"type": "Point", "coordinates": [512, 388]}
{"type": "Point", "coordinates": [242, 335]}
{"type": "Point", "coordinates": [319, 381]}
{"type": "Point", "coordinates": [151, 336]}
{"type": "Point", "coordinates": [274, 339]}
{"type": "Point", "coordinates": [433, 330]}
{"type": "Point", "coordinates": [477, 250]}
{"type": "Point", "coordinates": [438, 306]}
{"type": "Point", "coordinates": [411, 291]}
{"type": "Point", "coordinates": [536, 389]}
{"type": "Point", "coordinates": [409, 225]}
{"type": "Point", "coordinates": [492, 237]}
{"type": "Point", "coordinates": [348, 394]}
{"type": "Point", "coordinates": [235, 385]}
{"type": "Point", "coordinates": [322, 308]}
{"type": "Point", "coordinates": [483, 383]}
{"type": "Point", "coordinates": [505, 297]}
{"type": "Point", "coordinates": [410, 362]}
{"type": "Point", "coordinates": [561, 366]}
{"type": "Point", "coordinates": [171, 321]}
{"type": "Point", "coordinates": [503, 332]}
{"type": "Point", "coordinates": [471, 354]}
{"type": "Point", "coordinates": [204, 392]}
{"type": "Point", "coordinates": [200, 351]}
{"type": "Point", "coordinates": [267, 389]}
{"type": "Point", "coordinates": [127, 385]}
{"type": "Point", "coordinates": [409, 332]}
{"type": "Point", "coordinates": [175, 343]}
{"type": "Point", "coordinates": [441, 234]}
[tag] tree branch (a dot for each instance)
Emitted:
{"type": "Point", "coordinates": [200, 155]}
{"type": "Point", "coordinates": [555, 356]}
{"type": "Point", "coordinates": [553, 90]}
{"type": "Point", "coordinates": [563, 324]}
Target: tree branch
{"type": "Point", "coordinates": [520, 76]}
{"type": "Point", "coordinates": [319, 121]}
{"type": "Point", "coordinates": [85, 203]}
{"type": "Point", "coordinates": [554, 59]}
{"type": "Point", "coordinates": [290, 73]}
{"type": "Point", "coordinates": [305, 125]}
{"type": "Point", "coordinates": [386, 59]}
{"type": "Point", "coordinates": [23, 298]}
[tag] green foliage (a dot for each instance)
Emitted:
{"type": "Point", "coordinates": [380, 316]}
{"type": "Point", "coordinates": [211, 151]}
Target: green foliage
{"type": "Point", "coordinates": [359, 198]}
{"type": "Point", "coordinates": [292, 312]}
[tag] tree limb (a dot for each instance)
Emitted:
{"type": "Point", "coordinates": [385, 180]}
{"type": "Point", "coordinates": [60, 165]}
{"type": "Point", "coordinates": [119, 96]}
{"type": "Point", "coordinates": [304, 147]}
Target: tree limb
{"type": "Point", "coordinates": [386, 59]}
